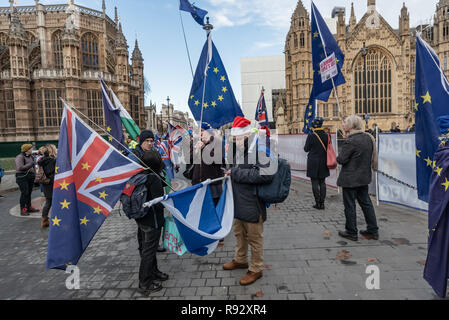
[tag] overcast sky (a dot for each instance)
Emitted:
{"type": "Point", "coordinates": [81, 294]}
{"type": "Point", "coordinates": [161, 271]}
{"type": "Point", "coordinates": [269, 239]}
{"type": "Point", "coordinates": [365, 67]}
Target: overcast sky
{"type": "Point", "coordinates": [243, 28]}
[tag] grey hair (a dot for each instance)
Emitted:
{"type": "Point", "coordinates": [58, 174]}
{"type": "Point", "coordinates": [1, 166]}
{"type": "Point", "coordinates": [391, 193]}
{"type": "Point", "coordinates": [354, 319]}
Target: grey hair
{"type": "Point", "coordinates": [354, 122]}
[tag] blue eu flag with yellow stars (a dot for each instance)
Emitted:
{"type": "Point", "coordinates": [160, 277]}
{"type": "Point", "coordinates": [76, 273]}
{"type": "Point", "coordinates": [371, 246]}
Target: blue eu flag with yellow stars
{"type": "Point", "coordinates": [89, 179]}
{"type": "Point", "coordinates": [211, 80]}
{"type": "Point", "coordinates": [324, 45]}
{"type": "Point", "coordinates": [431, 102]}
{"type": "Point", "coordinates": [197, 13]}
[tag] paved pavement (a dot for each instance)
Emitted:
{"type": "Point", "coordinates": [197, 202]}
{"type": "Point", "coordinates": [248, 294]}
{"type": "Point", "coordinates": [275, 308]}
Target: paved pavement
{"type": "Point", "coordinates": [304, 258]}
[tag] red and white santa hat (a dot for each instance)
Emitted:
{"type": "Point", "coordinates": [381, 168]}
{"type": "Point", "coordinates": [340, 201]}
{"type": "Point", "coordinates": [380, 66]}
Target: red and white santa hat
{"type": "Point", "coordinates": [241, 126]}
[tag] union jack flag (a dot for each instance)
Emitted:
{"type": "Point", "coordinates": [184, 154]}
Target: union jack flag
{"type": "Point", "coordinates": [175, 136]}
{"type": "Point", "coordinates": [261, 111]}
{"type": "Point", "coordinates": [90, 177]}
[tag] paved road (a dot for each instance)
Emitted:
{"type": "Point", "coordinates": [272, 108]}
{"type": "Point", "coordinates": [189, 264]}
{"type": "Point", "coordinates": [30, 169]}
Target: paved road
{"type": "Point", "coordinates": [304, 258]}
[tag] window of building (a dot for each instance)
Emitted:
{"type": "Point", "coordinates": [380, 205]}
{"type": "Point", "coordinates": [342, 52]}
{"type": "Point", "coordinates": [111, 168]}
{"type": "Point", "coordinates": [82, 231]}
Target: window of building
{"type": "Point", "coordinates": [303, 70]}
{"type": "Point", "coordinates": [89, 47]}
{"type": "Point", "coordinates": [296, 69]}
{"type": "Point", "coordinates": [9, 105]}
{"type": "Point", "coordinates": [295, 40]}
{"type": "Point", "coordinates": [335, 111]}
{"type": "Point", "coordinates": [372, 87]}
{"type": "Point", "coordinates": [57, 50]}
{"type": "Point", "coordinates": [325, 111]}
{"type": "Point", "coordinates": [301, 40]}
{"type": "Point", "coordinates": [412, 65]}
{"type": "Point", "coordinates": [95, 107]}
{"type": "Point", "coordinates": [49, 107]}
{"type": "Point", "coordinates": [3, 39]}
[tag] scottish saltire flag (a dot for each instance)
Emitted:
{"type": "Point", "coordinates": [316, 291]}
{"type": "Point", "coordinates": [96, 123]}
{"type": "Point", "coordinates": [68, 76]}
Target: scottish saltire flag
{"type": "Point", "coordinates": [431, 102]}
{"type": "Point", "coordinates": [261, 111]}
{"type": "Point", "coordinates": [197, 13]}
{"type": "Point", "coordinates": [219, 104]}
{"type": "Point", "coordinates": [200, 224]}
{"type": "Point", "coordinates": [113, 121]}
{"type": "Point", "coordinates": [90, 177]}
{"type": "Point", "coordinates": [436, 271]}
{"type": "Point", "coordinates": [324, 45]}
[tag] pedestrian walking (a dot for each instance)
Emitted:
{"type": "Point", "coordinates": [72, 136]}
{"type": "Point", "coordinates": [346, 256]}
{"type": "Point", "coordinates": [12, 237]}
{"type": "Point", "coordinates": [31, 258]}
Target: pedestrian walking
{"type": "Point", "coordinates": [358, 156]}
{"type": "Point", "coordinates": [317, 170]}
{"type": "Point", "coordinates": [150, 227]}
{"type": "Point", "coordinates": [249, 211]}
{"type": "Point", "coordinates": [25, 175]}
{"type": "Point", "coordinates": [48, 164]}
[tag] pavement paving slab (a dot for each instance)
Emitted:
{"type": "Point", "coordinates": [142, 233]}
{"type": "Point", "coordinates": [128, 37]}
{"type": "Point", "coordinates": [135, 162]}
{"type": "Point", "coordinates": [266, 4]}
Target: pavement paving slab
{"type": "Point", "coordinates": [304, 258]}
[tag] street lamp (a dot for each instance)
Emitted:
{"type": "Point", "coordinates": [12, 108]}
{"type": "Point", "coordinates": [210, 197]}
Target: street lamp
{"type": "Point", "coordinates": [168, 106]}
{"type": "Point", "coordinates": [364, 51]}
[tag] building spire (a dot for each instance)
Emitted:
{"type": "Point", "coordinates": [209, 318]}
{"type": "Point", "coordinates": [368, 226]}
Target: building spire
{"type": "Point", "coordinates": [103, 6]}
{"type": "Point", "coordinates": [116, 16]}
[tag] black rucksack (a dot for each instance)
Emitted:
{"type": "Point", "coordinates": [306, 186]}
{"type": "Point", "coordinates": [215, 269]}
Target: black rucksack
{"type": "Point", "coordinates": [134, 196]}
{"type": "Point", "coordinates": [279, 188]}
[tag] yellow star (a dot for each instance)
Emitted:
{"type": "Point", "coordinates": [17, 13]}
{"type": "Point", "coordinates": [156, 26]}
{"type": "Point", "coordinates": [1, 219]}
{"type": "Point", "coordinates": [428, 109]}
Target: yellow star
{"type": "Point", "coordinates": [429, 162]}
{"type": "Point", "coordinates": [336, 60]}
{"type": "Point", "coordinates": [224, 89]}
{"type": "Point", "coordinates": [108, 129]}
{"type": "Point", "coordinates": [418, 153]}
{"type": "Point", "coordinates": [205, 105]}
{"type": "Point", "coordinates": [416, 105]}
{"type": "Point", "coordinates": [427, 98]}
{"type": "Point", "coordinates": [110, 139]}
{"type": "Point", "coordinates": [216, 70]}
{"type": "Point", "coordinates": [433, 164]}
{"type": "Point", "coordinates": [438, 171]}
{"type": "Point", "coordinates": [97, 210]}
{"type": "Point", "coordinates": [310, 107]}
{"type": "Point", "coordinates": [316, 35]}
{"type": "Point", "coordinates": [56, 221]}
{"type": "Point", "coordinates": [223, 78]}
{"type": "Point", "coordinates": [86, 165]}
{"type": "Point", "coordinates": [445, 184]}
{"type": "Point", "coordinates": [65, 204]}
{"type": "Point", "coordinates": [220, 98]}
{"type": "Point", "coordinates": [103, 195]}
{"type": "Point", "coordinates": [214, 104]}
{"type": "Point", "coordinates": [84, 221]}
{"type": "Point", "coordinates": [98, 179]}
{"type": "Point", "coordinates": [191, 97]}
{"type": "Point", "coordinates": [310, 114]}
{"type": "Point", "coordinates": [319, 71]}
{"type": "Point", "coordinates": [64, 185]}
{"type": "Point", "coordinates": [56, 169]}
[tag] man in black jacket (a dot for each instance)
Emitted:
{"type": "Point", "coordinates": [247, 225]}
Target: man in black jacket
{"type": "Point", "coordinates": [357, 157]}
{"type": "Point", "coordinates": [249, 211]}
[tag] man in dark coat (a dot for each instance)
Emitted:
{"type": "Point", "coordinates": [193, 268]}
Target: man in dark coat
{"type": "Point", "coordinates": [249, 211]}
{"type": "Point", "coordinates": [357, 156]}
{"type": "Point", "coordinates": [317, 170]}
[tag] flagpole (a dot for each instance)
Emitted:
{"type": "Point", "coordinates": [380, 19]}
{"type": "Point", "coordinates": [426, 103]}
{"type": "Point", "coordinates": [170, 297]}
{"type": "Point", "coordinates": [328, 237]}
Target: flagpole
{"type": "Point", "coordinates": [187, 47]}
{"type": "Point", "coordinates": [325, 52]}
{"type": "Point", "coordinates": [107, 133]}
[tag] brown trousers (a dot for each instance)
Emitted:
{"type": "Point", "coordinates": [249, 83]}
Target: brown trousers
{"type": "Point", "coordinates": [251, 234]}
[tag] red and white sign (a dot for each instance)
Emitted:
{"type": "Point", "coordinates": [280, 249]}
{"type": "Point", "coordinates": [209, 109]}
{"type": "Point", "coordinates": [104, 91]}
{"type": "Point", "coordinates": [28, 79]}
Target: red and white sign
{"type": "Point", "coordinates": [328, 68]}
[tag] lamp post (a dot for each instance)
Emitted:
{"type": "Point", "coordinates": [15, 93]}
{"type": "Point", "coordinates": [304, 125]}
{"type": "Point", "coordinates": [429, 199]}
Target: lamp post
{"type": "Point", "coordinates": [168, 106]}
{"type": "Point", "coordinates": [365, 103]}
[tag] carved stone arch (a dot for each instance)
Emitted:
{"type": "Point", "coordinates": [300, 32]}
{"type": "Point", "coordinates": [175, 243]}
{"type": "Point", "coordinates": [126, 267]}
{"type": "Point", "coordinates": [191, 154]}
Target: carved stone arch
{"type": "Point", "coordinates": [34, 58]}
{"type": "Point", "coordinates": [31, 37]}
{"type": "Point", "coordinates": [385, 51]}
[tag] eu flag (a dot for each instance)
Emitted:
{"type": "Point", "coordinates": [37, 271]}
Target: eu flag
{"type": "Point", "coordinates": [113, 121]}
{"type": "Point", "coordinates": [197, 13]}
{"type": "Point", "coordinates": [436, 271]}
{"type": "Point", "coordinates": [219, 104]}
{"type": "Point", "coordinates": [90, 177]}
{"type": "Point", "coordinates": [431, 102]}
{"type": "Point", "coordinates": [324, 45]}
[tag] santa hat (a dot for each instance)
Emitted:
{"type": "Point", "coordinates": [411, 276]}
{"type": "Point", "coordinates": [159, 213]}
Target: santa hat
{"type": "Point", "coordinates": [241, 126]}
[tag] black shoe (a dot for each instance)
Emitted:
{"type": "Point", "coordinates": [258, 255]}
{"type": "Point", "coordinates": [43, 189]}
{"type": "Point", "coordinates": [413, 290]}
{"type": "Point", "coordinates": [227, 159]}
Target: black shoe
{"type": "Point", "coordinates": [153, 287]}
{"type": "Point", "coordinates": [369, 235]}
{"type": "Point", "coordinates": [317, 206]}
{"type": "Point", "coordinates": [322, 206]}
{"type": "Point", "coordinates": [161, 249]}
{"type": "Point", "coordinates": [161, 276]}
{"type": "Point", "coordinates": [346, 235]}
{"type": "Point", "coordinates": [221, 240]}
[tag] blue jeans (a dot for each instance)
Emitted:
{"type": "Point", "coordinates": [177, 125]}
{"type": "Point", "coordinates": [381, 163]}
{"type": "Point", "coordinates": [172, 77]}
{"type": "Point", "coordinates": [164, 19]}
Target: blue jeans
{"type": "Point", "coordinates": [148, 239]}
{"type": "Point", "coordinates": [362, 196]}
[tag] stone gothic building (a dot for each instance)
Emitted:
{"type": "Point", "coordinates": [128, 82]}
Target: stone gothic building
{"type": "Point", "coordinates": [379, 67]}
{"type": "Point", "coordinates": [53, 51]}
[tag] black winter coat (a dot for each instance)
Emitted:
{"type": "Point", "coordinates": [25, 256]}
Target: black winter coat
{"type": "Point", "coordinates": [355, 157]}
{"type": "Point", "coordinates": [317, 157]}
{"type": "Point", "coordinates": [155, 216]}
{"type": "Point", "coordinates": [48, 164]}
{"type": "Point", "coordinates": [247, 206]}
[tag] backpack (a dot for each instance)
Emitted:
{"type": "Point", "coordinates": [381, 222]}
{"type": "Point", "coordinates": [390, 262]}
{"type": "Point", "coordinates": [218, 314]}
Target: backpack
{"type": "Point", "coordinates": [41, 178]}
{"type": "Point", "coordinates": [134, 196]}
{"type": "Point", "coordinates": [279, 188]}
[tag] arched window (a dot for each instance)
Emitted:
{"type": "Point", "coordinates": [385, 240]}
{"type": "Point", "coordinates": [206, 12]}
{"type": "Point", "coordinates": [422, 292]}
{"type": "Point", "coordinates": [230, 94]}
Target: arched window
{"type": "Point", "coordinates": [89, 47]}
{"type": "Point", "coordinates": [3, 39]}
{"type": "Point", "coordinates": [295, 40]}
{"type": "Point", "coordinates": [372, 88]}
{"type": "Point", "coordinates": [57, 50]}
{"type": "Point", "coordinates": [302, 40]}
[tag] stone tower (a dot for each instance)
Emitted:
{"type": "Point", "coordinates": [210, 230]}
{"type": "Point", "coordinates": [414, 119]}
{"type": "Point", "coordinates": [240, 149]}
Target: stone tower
{"type": "Point", "coordinates": [137, 72]}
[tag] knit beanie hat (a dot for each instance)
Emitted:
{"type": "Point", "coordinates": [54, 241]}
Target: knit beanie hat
{"type": "Point", "coordinates": [144, 135]}
{"type": "Point", "coordinates": [26, 147]}
{"type": "Point", "coordinates": [241, 126]}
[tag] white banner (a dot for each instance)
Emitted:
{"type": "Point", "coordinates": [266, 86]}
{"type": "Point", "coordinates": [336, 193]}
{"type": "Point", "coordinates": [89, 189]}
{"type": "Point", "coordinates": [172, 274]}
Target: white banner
{"type": "Point", "coordinates": [291, 148]}
{"type": "Point", "coordinates": [397, 158]}
{"type": "Point", "coordinates": [328, 68]}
